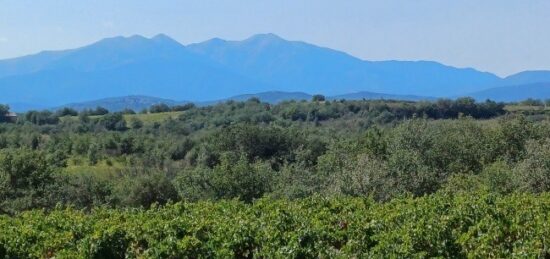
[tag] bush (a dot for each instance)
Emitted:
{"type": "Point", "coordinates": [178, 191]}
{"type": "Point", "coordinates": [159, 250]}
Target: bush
{"type": "Point", "coordinates": [27, 180]}
{"type": "Point", "coordinates": [318, 98]}
{"type": "Point", "coordinates": [67, 112]}
{"type": "Point", "coordinates": [146, 189]}
{"type": "Point", "coordinates": [158, 108]}
{"type": "Point", "coordinates": [113, 121]}
{"type": "Point", "coordinates": [231, 179]}
{"type": "Point", "coordinates": [97, 112]}
{"type": "Point", "coordinates": [128, 111]}
{"type": "Point", "coordinates": [185, 107]}
{"type": "Point", "coordinates": [136, 123]}
{"type": "Point", "coordinates": [534, 171]}
{"type": "Point", "coordinates": [41, 117]}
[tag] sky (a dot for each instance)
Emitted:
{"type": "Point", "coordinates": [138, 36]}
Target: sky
{"type": "Point", "coordinates": [498, 36]}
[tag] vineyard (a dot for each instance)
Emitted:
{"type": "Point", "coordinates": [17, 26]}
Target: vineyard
{"type": "Point", "coordinates": [439, 225]}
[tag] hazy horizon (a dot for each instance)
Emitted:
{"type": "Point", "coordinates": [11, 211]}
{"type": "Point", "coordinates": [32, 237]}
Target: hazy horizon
{"type": "Point", "coordinates": [501, 37]}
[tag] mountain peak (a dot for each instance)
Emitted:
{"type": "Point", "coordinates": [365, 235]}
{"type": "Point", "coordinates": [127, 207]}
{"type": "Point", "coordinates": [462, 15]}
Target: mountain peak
{"type": "Point", "coordinates": [266, 37]}
{"type": "Point", "coordinates": [216, 40]}
{"type": "Point", "coordinates": [117, 40]}
{"type": "Point", "coordinates": [162, 37]}
{"type": "Point", "coordinates": [136, 37]}
{"type": "Point", "coordinates": [134, 43]}
{"type": "Point", "coordinates": [165, 40]}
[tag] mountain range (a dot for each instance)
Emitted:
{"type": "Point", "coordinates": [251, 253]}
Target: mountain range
{"type": "Point", "coordinates": [217, 68]}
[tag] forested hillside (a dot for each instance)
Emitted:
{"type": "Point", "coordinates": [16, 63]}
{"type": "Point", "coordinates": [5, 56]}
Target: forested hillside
{"type": "Point", "coordinates": [319, 178]}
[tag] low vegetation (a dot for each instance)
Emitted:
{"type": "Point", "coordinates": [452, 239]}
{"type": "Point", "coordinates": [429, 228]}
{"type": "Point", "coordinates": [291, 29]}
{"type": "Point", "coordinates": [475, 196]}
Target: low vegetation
{"type": "Point", "coordinates": [466, 226]}
{"type": "Point", "coordinates": [297, 179]}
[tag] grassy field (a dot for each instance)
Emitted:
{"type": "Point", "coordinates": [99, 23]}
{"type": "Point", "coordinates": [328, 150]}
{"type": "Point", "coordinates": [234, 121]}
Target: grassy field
{"type": "Point", "coordinates": [151, 118]}
{"type": "Point", "coordinates": [516, 108]}
{"type": "Point", "coordinates": [148, 118]}
{"type": "Point", "coordinates": [80, 164]}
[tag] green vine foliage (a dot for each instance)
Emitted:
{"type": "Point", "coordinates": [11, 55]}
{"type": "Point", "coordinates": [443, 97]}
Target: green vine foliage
{"type": "Point", "coordinates": [478, 225]}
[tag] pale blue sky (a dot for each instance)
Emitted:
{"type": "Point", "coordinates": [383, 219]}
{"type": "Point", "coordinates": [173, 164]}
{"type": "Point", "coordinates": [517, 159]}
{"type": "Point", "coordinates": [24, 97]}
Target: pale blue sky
{"type": "Point", "coordinates": [500, 36]}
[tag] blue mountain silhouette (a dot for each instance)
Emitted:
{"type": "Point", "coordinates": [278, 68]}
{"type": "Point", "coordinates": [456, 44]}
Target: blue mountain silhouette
{"type": "Point", "coordinates": [216, 69]}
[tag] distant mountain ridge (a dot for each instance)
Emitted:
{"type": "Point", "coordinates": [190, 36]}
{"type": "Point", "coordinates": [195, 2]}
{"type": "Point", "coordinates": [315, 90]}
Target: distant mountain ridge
{"type": "Point", "coordinates": [371, 96]}
{"type": "Point", "coordinates": [217, 68]}
{"type": "Point", "coordinates": [514, 93]}
{"type": "Point", "coordinates": [295, 65]}
{"type": "Point", "coordinates": [138, 103]}
{"type": "Point", "coordinates": [269, 97]}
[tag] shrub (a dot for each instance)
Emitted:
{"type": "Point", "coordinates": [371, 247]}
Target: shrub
{"type": "Point", "coordinates": [158, 108]}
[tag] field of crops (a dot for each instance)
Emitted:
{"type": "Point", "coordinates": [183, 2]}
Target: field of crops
{"type": "Point", "coordinates": [476, 226]}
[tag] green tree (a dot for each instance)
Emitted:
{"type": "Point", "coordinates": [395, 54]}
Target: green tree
{"type": "Point", "coordinates": [93, 154]}
{"type": "Point", "coordinates": [128, 111]}
{"type": "Point", "coordinates": [136, 123]}
{"type": "Point", "coordinates": [145, 189]}
{"type": "Point", "coordinates": [113, 121]}
{"type": "Point", "coordinates": [366, 176]}
{"type": "Point", "coordinates": [158, 108]}
{"type": "Point", "coordinates": [532, 102]}
{"type": "Point", "coordinates": [318, 98]}
{"type": "Point", "coordinates": [66, 111]}
{"type": "Point", "coordinates": [232, 178]}
{"type": "Point", "coordinates": [185, 107]}
{"type": "Point", "coordinates": [534, 171]}
{"type": "Point", "coordinates": [41, 117]}
{"type": "Point", "coordinates": [99, 111]}
{"type": "Point", "coordinates": [26, 180]}
{"type": "Point", "coordinates": [4, 110]}
{"type": "Point", "coordinates": [241, 179]}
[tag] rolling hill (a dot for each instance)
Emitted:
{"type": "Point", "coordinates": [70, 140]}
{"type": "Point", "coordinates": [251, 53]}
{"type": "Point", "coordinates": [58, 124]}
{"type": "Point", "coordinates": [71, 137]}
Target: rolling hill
{"type": "Point", "coordinates": [514, 93]}
{"type": "Point", "coordinates": [269, 97]}
{"type": "Point", "coordinates": [527, 77]}
{"type": "Point", "coordinates": [371, 95]}
{"type": "Point", "coordinates": [136, 103]}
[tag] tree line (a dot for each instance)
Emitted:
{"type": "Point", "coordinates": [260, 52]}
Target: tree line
{"type": "Point", "coordinates": [248, 150]}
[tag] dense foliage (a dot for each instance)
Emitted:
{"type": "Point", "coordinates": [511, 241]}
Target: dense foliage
{"type": "Point", "coordinates": [4, 110]}
{"type": "Point", "coordinates": [466, 226]}
{"type": "Point", "coordinates": [248, 150]}
{"type": "Point", "coordinates": [397, 178]}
